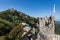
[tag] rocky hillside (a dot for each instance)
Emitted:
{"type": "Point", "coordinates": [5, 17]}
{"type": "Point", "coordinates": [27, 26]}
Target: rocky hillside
{"type": "Point", "coordinates": [10, 18]}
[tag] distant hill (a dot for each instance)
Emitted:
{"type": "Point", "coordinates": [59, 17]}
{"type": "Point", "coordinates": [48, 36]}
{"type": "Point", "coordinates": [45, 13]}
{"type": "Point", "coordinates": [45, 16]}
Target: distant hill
{"type": "Point", "coordinates": [57, 27]}
{"type": "Point", "coordinates": [16, 17]}
{"type": "Point", "coordinates": [57, 22]}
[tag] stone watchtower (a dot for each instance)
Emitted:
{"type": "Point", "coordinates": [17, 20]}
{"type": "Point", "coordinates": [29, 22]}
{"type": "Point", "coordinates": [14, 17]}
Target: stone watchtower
{"type": "Point", "coordinates": [46, 28]}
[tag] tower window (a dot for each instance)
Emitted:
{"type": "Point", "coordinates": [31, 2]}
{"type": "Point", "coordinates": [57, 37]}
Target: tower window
{"type": "Point", "coordinates": [46, 24]}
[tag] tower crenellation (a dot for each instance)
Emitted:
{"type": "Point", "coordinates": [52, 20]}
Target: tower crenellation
{"type": "Point", "coordinates": [46, 28]}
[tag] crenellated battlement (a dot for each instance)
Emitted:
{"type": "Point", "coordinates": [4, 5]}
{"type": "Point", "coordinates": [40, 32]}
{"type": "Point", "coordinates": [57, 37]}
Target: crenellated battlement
{"type": "Point", "coordinates": [46, 28]}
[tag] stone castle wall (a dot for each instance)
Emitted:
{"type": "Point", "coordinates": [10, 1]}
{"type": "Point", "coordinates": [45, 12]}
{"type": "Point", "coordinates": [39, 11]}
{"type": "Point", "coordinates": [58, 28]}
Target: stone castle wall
{"type": "Point", "coordinates": [46, 28]}
{"type": "Point", "coordinates": [56, 37]}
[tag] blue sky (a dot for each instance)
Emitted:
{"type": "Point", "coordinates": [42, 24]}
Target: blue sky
{"type": "Point", "coordinates": [35, 8]}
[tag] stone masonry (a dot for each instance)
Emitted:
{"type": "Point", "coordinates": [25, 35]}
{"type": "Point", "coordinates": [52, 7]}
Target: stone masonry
{"type": "Point", "coordinates": [46, 28]}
